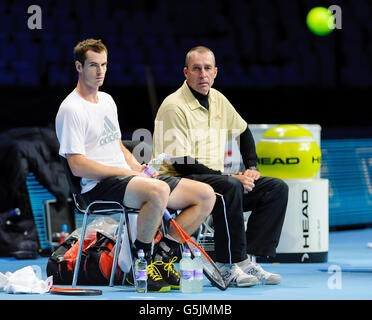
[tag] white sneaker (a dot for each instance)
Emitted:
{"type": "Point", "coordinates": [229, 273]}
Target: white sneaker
{"type": "Point", "coordinates": [263, 277]}
{"type": "Point", "coordinates": [235, 276]}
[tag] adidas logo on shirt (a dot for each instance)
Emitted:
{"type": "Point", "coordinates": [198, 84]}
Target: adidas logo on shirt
{"type": "Point", "coordinates": [110, 133]}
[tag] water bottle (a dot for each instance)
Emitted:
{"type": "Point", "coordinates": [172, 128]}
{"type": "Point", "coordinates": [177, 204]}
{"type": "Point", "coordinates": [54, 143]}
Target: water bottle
{"type": "Point", "coordinates": [187, 272]}
{"type": "Point", "coordinates": [64, 233]}
{"type": "Point", "coordinates": [198, 272]}
{"type": "Point", "coordinates": [140, 272]}
{"type": "Point", "coordinates": [155, 164]}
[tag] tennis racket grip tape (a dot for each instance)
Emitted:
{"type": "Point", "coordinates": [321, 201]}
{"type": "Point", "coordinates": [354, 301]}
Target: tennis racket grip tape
{"type": "Point", "coordinates": [167, 215]}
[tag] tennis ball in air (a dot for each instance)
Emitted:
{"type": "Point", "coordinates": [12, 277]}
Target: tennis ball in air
{"type": "Point", "coordinates": [320, 21]}
{"type": "Point", "coordinates": [288, 151]}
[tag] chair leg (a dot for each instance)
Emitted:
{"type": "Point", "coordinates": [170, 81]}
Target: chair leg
{"type": "Point", "coordinates": [204, 231]}
{"type": "Point", "coordinates": [117, 250]}
{"type": "Point", "coordinates": [80, 251]}
{"type": "Point", "coordinates": [199, 234]}
{"type": "Point", "coordinates": [130, 245]}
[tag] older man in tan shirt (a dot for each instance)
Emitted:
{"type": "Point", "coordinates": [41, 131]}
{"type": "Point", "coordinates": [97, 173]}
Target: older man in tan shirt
{"type": "Point", "coordinates": [193, 125]}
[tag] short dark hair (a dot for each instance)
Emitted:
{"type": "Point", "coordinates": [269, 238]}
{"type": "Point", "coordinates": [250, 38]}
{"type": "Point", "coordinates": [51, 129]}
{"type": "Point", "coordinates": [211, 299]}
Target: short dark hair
{"type": "Point", "coordinates": [82, 47]}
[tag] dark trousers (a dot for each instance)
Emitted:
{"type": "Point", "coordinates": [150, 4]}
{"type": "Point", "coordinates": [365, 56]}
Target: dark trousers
{"type": "Point", "coordinates": [268, 203]}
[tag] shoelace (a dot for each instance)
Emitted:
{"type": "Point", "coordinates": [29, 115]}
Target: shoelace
{"type": "Point", "coordinates": [154, 272]}
{"type": "Point", "coordinates": [169, 266]}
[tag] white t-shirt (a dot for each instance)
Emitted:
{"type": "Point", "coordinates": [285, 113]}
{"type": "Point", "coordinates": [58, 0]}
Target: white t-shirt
{"type": "Point", "coordinates": [90, 129]}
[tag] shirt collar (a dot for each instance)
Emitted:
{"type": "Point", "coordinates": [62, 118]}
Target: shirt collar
{"type": "Point", "coordinates": [191, 101]}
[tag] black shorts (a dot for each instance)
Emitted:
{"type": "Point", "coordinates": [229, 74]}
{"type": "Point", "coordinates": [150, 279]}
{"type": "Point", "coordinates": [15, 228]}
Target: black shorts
{"type": "Point", "coordinates": [113, 188]}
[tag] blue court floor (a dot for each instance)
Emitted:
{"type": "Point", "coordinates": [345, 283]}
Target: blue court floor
{"type": "Point", "coordinates": [346, 276]}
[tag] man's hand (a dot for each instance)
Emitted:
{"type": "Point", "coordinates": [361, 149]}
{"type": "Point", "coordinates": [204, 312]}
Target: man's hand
{"type": "Point", "coordinates": [254, 174]}
{"type": "Point", "coordinates": [155, 174]}
{"type": "Point", "coordinates": [140, 169]}
{"type": "Point", "coordinates": [247, 182]}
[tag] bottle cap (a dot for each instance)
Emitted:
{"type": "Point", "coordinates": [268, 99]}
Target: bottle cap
{"type": "Point", "coordinates": [197, 252]}
{"type": "Point", "coordinates": [141, 253]}
{"type": "Point", "coordinates": [64, 228]}
{"type": "Point", "coordinates": [186, 252]}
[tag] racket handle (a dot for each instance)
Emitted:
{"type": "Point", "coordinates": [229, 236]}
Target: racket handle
{"type": "Point", "coordinates": [167, 215]}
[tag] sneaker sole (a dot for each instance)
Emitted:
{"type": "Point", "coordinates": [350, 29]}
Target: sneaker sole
{"type": "Point", "coordinates": [244, 285]}
{"type": "Point", "coordinates": [272, 282]}
{"type": "Point", "coordinates": [163, 289]}
{"type": "Point", "coordinates": [235, 285]}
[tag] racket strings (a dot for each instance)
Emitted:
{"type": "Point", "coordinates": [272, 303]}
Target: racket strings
{"type": "Point", "coordinates": [209, 268]}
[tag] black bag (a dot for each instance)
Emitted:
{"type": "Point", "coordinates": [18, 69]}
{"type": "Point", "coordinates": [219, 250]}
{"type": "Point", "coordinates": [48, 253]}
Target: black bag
{"type": "Point", "coordinates": [18, 237]}
{"type": "Point", "coordinates": [99, 259]}
{"type": "Point", "coordinates": [96, 261]}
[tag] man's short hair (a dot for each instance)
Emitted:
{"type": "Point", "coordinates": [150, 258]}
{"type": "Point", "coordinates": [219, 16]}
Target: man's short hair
{"type": "Point", "coordinates": [82, 47]}
{"type": "Point", "coordinates": [200, 49]}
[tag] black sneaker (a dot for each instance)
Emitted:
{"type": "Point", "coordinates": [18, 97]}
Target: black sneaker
{"type": "Point", "coordinates": [169, 272]}
{"type": "Point", "coordinates": [155, 281]}
{"type": "Point", "coordinates": [166, 250]}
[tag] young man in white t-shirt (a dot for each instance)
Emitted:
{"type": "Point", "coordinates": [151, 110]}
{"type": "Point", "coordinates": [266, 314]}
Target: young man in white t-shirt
{"type": "Point", "coordinates": [90, 139]}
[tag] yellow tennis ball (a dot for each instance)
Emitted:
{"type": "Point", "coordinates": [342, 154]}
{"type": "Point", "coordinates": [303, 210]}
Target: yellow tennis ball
{"type": "Point", "coordinates": [288, 151]}
{"type": "Point", "coordinates": [320, 21]}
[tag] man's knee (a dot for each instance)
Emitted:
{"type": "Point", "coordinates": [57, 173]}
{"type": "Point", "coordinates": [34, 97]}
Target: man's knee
{"type": "Point", "coordinates": [159, 193]}
{"type": "Point", "coordinates": [207, 198]}
{"type": "Point", "coordinates": [281, 187]}
{"type": "Point", "coordinates": [279, 190]}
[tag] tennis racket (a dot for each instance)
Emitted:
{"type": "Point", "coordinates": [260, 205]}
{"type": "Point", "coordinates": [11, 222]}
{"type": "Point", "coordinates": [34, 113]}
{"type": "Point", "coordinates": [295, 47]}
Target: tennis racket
{"type": "Point", "coordinates": [210, 269]}
{"type": "Point", "coordinates": [75, 291]}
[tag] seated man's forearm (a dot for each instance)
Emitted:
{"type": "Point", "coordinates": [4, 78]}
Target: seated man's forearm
{"type": "Point", "coordinates": [82, 167]}
{"type": "Point", "coordinates": [188, 165]}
